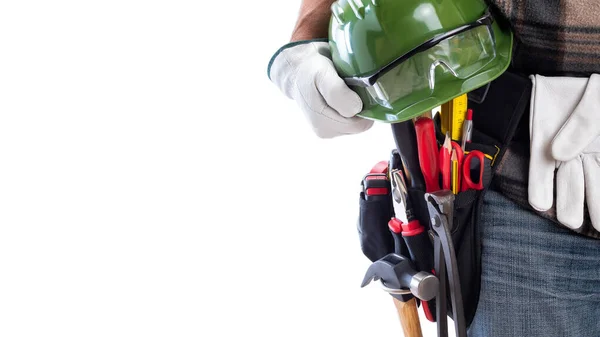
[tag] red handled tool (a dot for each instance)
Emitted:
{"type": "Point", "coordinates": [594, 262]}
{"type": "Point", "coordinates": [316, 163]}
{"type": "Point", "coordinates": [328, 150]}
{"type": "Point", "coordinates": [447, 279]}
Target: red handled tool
{"type": "Point", "coordinates": [467, 177]}
{"type": "Point", "coordinates": [428, 153]}
{"type": "Point", "coordinates": [411, 234]}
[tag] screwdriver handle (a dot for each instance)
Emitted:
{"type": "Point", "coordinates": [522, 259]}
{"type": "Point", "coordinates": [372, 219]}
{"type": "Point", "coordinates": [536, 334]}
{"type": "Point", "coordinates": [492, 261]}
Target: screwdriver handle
{"type": "Point", "coordinates": [428, 153]}
{"type": "Point", "coordinates": [405, 138]}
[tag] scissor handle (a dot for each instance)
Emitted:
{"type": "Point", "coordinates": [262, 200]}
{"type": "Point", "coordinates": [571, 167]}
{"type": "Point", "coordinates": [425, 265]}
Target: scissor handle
{"type": "Point", "coordinates": [459, 151]}
{"type": "Point", "coordinates": [467, 182]}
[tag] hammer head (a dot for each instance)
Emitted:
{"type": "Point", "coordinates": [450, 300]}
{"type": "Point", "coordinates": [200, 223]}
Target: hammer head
{"type": "Point", "coordinates": [398, 272]}
{"type": "Point", "coordinates": [391, 270]}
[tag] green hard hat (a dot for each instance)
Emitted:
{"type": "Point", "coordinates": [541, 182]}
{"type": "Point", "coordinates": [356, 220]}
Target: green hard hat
{"type": "Point", "coordinates": [404, 58]}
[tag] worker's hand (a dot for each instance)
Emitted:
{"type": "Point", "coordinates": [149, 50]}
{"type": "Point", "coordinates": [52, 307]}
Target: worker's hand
{"type": "Point", "coordinates": [558, 106]}
{"type": "Point", "coordinates": [305, 73]}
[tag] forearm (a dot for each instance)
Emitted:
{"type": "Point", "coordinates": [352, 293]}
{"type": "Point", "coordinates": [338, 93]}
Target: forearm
{"type": "Point", "coordinates": [313, 20]}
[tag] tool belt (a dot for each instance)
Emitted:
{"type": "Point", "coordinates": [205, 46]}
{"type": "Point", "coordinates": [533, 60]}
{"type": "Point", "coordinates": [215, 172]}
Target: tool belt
{"type": "Point", "coordinates": [498, 108]}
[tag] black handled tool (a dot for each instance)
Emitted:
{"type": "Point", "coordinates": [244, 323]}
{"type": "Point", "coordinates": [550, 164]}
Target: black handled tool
{"type": "Point", "coordinates": [441, 209]}
{"type": "Point", "coordinates": [405, 137]}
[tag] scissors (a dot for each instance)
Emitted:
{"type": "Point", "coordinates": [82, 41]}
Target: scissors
{"type": "Point", "coordinates": [467, 173]}
{"type": "Point", "coordinates": [472, 163]}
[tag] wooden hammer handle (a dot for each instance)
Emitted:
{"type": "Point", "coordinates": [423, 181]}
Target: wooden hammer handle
{"type": "Point", "coordinates": [409, 317]}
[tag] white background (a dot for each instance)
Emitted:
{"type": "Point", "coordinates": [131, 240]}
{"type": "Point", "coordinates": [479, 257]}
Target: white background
{"type": "Point", "coordinates": [153, 182]}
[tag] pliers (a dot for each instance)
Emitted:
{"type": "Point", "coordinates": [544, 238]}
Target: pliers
{"type": "Point", "coordinates": [440, 205]}
{"type": "Point", "coordinates": [409, 233]}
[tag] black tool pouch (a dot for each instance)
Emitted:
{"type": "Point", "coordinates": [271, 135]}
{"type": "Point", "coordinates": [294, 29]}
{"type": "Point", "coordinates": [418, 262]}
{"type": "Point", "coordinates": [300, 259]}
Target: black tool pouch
{"type": "Point", "coordinates": [375, 238]}
{"type": "Point", "coordinates": [497, 111]}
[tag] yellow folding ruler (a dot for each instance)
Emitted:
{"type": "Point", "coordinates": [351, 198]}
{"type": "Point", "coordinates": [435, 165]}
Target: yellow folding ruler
{"type": "Point", "coordinates": [452, 115]}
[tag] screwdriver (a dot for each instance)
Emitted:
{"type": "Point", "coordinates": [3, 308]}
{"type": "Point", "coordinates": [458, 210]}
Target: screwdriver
{"type": "Point", "coordinates": [428, 153]}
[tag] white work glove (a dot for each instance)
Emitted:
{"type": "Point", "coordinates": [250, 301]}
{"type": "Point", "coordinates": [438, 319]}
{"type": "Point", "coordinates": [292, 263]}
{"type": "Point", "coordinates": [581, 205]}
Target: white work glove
{"type": "Point", "coordinates": [306, 74]}
{"type": "Point", "coordinates": [560, 106]}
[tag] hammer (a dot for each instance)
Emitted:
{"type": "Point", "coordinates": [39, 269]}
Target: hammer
{"type": "Point", "coordinates": [399, 278]}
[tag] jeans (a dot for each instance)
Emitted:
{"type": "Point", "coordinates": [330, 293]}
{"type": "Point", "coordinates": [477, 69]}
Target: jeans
{"type": "Point", "coordinates": [537, 279]}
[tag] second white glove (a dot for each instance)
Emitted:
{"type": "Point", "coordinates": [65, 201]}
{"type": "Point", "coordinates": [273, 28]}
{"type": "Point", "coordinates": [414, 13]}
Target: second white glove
{"type": "Point", "coordinates": [554, 101]}
{"type": "Point", "coordinates": [306, 74]}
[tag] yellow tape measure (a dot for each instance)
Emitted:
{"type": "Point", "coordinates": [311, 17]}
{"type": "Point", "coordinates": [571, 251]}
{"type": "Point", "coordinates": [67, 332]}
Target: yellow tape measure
{"type": "Point", "coordinates": [453, 114]}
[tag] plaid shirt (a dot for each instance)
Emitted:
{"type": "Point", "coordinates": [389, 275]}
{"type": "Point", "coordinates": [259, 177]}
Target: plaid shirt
{"type": "Point", "coordinates": [552, 38]}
